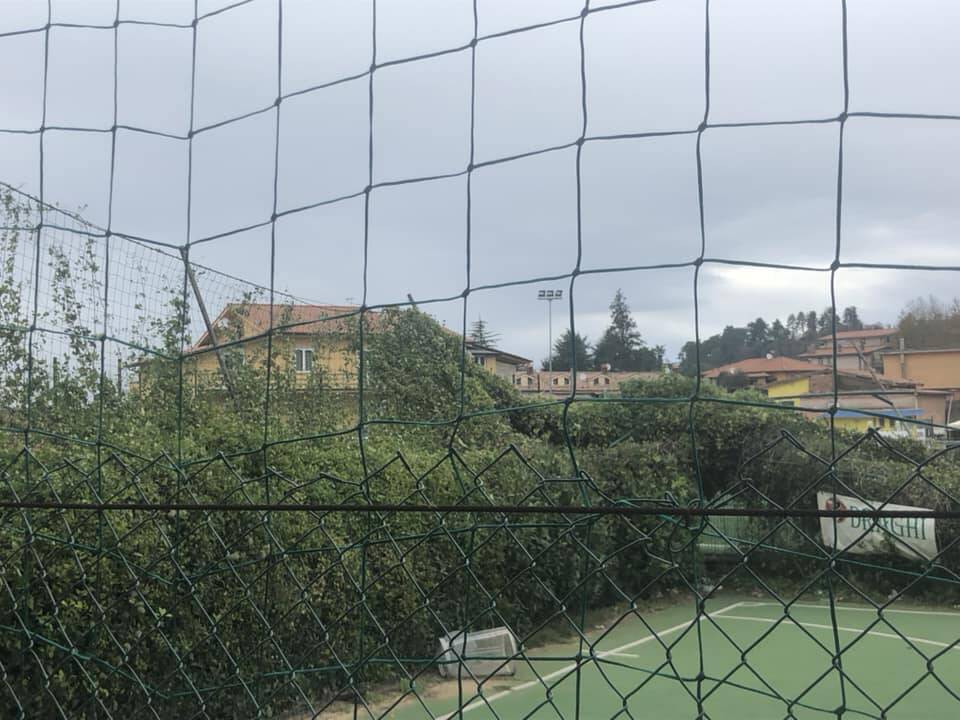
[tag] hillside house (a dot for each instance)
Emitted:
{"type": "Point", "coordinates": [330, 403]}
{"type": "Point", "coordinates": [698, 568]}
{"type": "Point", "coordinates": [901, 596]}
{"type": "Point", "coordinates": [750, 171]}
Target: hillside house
{"type": "Point", "coordinates": [311, 340]}
{"type": "Point", "coordinates": [314, 342]}
{"type": "Point", "coordinates": [866, 400]}
{"type": "Point", "coordinates": [856, 349]}
{"type": "Point", "coordinates": [588, 382]}
{"type": "Point", "coordinates": [497, 362]}
{"type": "Point", "coordinates": [760, 372]}
{"type": "Point", "coordinates": [931, 368]}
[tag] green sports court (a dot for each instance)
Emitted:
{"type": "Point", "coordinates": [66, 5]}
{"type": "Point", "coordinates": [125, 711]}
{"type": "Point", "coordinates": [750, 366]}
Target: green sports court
{"type": "Point", "coordinates": [758, 662]}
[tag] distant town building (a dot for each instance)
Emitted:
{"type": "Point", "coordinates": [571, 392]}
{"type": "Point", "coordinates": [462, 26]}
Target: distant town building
{"type": "Point", "coordinates": [867, 400]}
{"type": "Point", "coordinates": [496, 361]}
{"type": "Point", "coordinates": [314, 341]}
{"type": "Point", "coordinates": [588, 382]}
{"type": "Point", "coordinates": [309, 339]}
{"type": "Point", "coordinates": [760, 372]}
{"type": "Point", "coordinates": [856, 349]}
{"type": "Point", "coordinates": [931, 368]}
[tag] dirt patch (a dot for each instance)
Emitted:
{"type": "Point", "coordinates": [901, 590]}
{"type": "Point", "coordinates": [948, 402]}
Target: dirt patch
{"type": "Point", "coordinates": [429, 689]}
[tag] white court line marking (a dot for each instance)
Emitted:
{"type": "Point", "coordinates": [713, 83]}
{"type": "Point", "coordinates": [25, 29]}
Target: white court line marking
{"type": "Point", "coordinates": [858, 608]}
{"type": "Point", "coordinates": [892, 636]}
{"type": "Point", "coordinates": [477, 701]}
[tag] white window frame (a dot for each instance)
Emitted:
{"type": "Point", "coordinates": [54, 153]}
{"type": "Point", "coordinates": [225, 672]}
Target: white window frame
{"type": "Point", "coordinates": [300, 364]}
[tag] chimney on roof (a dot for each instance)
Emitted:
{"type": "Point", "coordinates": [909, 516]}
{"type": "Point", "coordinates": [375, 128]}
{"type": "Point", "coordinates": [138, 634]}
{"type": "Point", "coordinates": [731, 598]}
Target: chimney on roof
{"type": "Point", "coordinates": [604, 367]}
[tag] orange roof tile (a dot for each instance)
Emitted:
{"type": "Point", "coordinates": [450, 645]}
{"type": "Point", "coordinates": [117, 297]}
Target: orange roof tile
{"type": "Point", "coordinates": [842, 349]}
{"type": "Point", "coordinates": [855, 334]}
{"type": "Point", "coordinates": [754, 366]}
{"type": "Point", "coordinates": [254, 319]}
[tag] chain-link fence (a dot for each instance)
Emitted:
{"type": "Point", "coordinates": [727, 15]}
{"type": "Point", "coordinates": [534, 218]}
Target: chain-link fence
{"type": "Point", "coordinates": [222, 500]}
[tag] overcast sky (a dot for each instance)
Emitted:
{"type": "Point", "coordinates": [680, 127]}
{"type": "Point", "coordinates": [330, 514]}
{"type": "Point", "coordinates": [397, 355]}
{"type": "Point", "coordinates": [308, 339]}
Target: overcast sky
{"type": "Point", "coordinates": [769, 193]}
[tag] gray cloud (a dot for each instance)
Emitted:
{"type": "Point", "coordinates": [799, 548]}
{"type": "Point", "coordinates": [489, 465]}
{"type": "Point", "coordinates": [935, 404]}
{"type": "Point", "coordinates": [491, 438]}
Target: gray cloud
{"type": "Point", "coordinates": [769, 193]}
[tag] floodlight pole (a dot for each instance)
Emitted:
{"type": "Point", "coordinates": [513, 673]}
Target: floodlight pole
{"type": "Point", "coordinates": [550, 337]}
{"type": "Point", "coordinates": [550, 296]}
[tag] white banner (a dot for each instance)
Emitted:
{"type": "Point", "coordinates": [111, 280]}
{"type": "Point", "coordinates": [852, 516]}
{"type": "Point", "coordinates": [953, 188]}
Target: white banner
{"type": "Point", "coordinates": [912, 536]}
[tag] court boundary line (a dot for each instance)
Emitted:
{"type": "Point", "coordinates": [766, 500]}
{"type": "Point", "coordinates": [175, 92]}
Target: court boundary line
{"type": "Point", "coordinates": [893, 636]}
{"type": "Point", "coordinates": [477, 701]}
{"type": "Point", "coordinates": [858, 608]}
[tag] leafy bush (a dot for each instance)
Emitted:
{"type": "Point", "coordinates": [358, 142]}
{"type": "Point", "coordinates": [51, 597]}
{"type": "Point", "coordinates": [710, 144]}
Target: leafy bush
{"type": "Point", "coordinates": [223, 612]}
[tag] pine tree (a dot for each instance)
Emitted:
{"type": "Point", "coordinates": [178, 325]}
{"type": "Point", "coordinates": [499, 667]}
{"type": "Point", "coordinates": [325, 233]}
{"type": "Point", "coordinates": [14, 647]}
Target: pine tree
{"type": "Point", "coordinates": [568, 346]}
{"type": "Point", "coordinates": [828, 319]}
{"type": "Point", "coordinates": [851, 319]}
{"type": "Point", "coordinates": [622, 346]}
{"type": "Point", "coordinates": [800, 329]}
{"type": "Point", "coordinates": [482, 335]}
{"type": "Point", "coordinates": [758, 336]}
{"type": "Point", "coordinates": [780, 338]}
{"type": "Point", "coordinates": [811, 333]}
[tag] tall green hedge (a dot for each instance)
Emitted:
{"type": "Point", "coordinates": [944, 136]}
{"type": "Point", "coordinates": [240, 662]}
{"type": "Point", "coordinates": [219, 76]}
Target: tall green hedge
{"type": "Point", "coordinates": [227, 612]}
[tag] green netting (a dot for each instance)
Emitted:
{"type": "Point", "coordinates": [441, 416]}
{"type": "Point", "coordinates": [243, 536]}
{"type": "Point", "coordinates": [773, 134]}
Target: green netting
{"type": "Point", "coordinates": [191, 524]}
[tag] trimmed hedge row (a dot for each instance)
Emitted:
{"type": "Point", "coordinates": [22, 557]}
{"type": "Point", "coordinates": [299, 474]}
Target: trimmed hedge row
{"type": "Point", "coordinates": [227, 613]}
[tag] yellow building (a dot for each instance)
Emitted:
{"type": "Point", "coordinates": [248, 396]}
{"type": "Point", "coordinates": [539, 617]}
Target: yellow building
{"type": "Point", "coordinates": [759, 372]}
{"type": "Point", "coordinates": [497, 362]}
{"type": "Point", "coordinates": [931, 368]}
{"type": "Point", "coordinates": [864, 400]}
{"type": "Point", "coordinates": [312, 343]}
{"type": "Point", "coordinates": [790, 387]}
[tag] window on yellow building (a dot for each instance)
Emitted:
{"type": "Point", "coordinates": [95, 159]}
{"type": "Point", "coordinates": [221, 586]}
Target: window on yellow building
{"type": "Point", "coordinates": [303, 360]}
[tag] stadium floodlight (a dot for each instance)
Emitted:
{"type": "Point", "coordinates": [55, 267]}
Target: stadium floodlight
{"type": "Point", "coordinates": [550, 296]}
{"type": "Point", "coordinates": [481, 652]}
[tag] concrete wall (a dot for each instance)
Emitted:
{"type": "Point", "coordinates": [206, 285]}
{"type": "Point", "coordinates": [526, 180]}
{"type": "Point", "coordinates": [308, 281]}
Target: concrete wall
{"type": "Point", "coordinates": [849, 362]}
{"type": "Point", "coordinates": [934, 407]}
{"type": "Point", "coordinates": [933, 369]}
{"type": "Point", "coordinates": [504, 370]}
{"type": "Point", "coordinates": [589, 381]}
{"type": "Point", "coordinates": [334, 358]}
{"type": "Point", "coordinates": [786, 388]}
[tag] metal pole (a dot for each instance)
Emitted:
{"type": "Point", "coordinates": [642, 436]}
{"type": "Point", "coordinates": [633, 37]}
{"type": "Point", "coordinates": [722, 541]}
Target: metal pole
{"type": "Point", "coordinates": [211, 333]}
{"type": "Point", "coordinates": [549, 296]}
{"type": "Point", "coordinates": [550, 340]}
